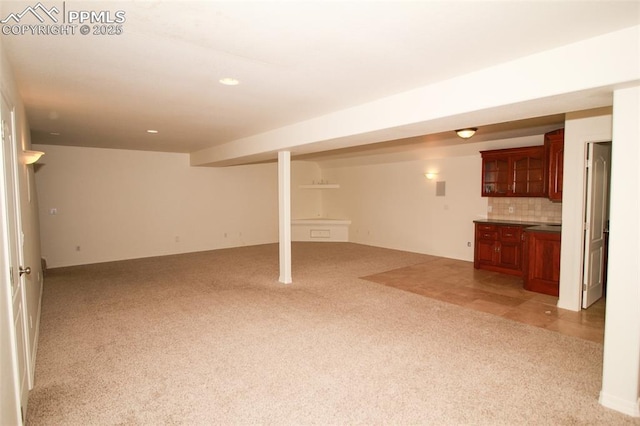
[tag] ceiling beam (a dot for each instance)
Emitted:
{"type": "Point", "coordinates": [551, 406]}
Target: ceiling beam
{"type": "Point", "coordinates": [574, 77]}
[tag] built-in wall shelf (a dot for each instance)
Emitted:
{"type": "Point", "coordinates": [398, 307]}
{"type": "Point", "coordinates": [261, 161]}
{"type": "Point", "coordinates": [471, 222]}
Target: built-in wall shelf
{"type": "Point", "coordinates": [320, 229]}
{"type": "Point", "coordinates": [320, 186]}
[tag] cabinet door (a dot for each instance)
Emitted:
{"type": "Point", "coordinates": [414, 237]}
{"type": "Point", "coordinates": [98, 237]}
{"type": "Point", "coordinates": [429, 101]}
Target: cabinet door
{"type": "Point", "coordinates": [554, 142]}
{"type": "Point", "coordinates": [510, 247]}
{"type": "Point", "coordinates": [495, 176]}
{"type": "Point", "coordinates": [510, 255]}
{"type": "Point", "coordinates": [486, 252]}
{"type": "Point", "coordinates": [528, 177]}
{"type": "Point", "coordinates": [542, 273]}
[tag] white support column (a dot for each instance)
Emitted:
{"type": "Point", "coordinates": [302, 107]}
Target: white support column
{"type": "Point", "coordinates": [621, 363]}
{"type": "Point", "coordinates": [284, 205]}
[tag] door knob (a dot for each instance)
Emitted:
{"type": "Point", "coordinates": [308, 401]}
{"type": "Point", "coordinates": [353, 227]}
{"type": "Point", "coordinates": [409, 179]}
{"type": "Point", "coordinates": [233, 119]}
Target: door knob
{"type": "Point", "coordinates": [26, 270]}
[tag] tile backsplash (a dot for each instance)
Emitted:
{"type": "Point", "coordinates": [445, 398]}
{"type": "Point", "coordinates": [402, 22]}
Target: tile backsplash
{"type": "Point", "coordinates": [525, 209]}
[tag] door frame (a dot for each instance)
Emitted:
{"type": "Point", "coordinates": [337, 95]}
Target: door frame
{"type": "Point", "coordinates": [586, 212]}
{"type": "Point", "coordinates": [10, 395]}
{"type": "Point", "coordinates": [12, 261]}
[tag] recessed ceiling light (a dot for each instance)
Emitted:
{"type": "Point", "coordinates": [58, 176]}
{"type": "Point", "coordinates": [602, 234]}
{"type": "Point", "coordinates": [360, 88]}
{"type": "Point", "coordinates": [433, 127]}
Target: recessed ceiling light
{"type": "Point", "coordinates": [229, 81]}
{"type": "Point", "coordinates": [152, 131]}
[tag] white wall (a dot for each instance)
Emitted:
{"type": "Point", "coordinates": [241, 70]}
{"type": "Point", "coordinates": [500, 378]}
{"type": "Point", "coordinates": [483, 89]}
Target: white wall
{"type": "Point", "coordinates": [117, 204]}
{"type": "Point", "coordinates": [393, 205]}
{"type": "Point", "coordinates": [305, 203]}
{"type": "Point", "coordinates": [580, 128]}
{"type": "Point", "coordinates": [621, 369]}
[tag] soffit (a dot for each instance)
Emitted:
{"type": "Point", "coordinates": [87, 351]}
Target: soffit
{"type": "Point", "coordinates": [295, 61]}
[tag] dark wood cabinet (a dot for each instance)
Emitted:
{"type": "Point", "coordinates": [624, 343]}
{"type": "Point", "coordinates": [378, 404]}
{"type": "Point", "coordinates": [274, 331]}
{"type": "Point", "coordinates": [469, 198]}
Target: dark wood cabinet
{"type": "Point", "coordinates": [554, 146]}
{"type": "Point", "coordinates": [498, 248]}
{"type": "Point", "coordinates": [542, 266]}
{"type": "Point", "coordinates": [485, 249]}
{"type": "Point", "coordinates": [495, 174]}
{"type": "Point", "coordinates": [529, 251]}
{"type": "Point", "coordinates": [514, 172]}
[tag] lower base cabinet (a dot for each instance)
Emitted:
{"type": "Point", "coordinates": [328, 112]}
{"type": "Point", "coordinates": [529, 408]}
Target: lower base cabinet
{"type": "Point", "coordinates": [498, 248]}
{"type": "Point", "coordinates": [542, 265]}
{"type": "Point", "coordinates": [527, 250]}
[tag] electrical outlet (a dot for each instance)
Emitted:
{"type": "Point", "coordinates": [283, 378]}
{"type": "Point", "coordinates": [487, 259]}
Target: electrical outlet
{"type": "Point", "coordinates": [511, 209]}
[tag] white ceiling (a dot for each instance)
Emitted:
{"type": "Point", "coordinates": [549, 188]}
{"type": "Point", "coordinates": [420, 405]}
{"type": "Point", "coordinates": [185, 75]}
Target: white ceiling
{"type": "Point", "coordinates": [294, 60]}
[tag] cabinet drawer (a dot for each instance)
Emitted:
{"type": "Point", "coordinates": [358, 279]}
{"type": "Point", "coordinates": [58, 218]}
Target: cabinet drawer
{"type": "Point", "coordinates": [486, 232]}
{"type": "Point", "coordinates": [510, 233]}
{"type": "Point", "coordinates": [488, 235]}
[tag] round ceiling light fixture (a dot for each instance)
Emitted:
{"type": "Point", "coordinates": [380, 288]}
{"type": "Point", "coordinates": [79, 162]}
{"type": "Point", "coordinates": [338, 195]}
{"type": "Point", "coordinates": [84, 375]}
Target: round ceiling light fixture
{"type": "Point", "coordinates": [467, 133]}
{"type": "Point", "coordinates": [229, 81]}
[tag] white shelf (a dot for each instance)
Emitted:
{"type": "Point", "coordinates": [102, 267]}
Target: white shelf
{"type": "Point", "coordinates": [320, 186]}
{"type": "Point", "coordinates": [320, 221]}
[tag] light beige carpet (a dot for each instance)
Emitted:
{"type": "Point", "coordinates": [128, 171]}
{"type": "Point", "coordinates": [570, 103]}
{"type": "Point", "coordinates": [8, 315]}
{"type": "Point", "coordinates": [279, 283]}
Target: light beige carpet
{"type": "Point", "coordinates": [213, 338]}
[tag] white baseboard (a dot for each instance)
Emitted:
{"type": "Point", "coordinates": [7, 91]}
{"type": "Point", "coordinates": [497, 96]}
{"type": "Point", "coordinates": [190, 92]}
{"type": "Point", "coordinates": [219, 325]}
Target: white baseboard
{"type": "Point", "coordinates": [630, 408]}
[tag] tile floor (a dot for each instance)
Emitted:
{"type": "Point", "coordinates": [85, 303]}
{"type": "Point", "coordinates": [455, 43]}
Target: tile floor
{"type": "Point", "coordinates": [457, 282]}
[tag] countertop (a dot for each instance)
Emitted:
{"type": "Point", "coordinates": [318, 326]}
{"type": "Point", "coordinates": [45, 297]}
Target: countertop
{"type": "Point", "coordinates": [545, 228]}
{"type": "Point", "coordinates": [519, 223]}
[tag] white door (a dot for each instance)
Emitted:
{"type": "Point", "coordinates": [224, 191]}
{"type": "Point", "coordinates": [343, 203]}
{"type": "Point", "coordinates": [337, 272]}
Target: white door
{"type": "Point", "coordinates": [12, 275]}
{"type": "Point", "coordinates": [597, 214]}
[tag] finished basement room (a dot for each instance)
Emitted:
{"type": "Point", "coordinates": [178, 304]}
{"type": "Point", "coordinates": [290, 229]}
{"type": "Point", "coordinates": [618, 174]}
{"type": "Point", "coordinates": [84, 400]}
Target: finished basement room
{"type": "Point", "coordinates": [320, 212]}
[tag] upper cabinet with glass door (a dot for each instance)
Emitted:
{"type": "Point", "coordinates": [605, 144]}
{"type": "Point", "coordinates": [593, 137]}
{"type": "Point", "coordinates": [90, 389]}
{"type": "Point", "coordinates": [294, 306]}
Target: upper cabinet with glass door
{"type": "Point", "coordinates": [514, 172]}
{"type": "Point", "coordinates": [495, 174]}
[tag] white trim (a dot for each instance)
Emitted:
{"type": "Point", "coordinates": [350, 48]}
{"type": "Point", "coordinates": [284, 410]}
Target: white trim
{"type": "Point", "coordinates": [284, 217]}
{"type": "Point", "coordinates": [629, 408]}
{"type": "Point", "coordinates": [320, 221]}
{"type": "Point", "coordinates": [11, 397]}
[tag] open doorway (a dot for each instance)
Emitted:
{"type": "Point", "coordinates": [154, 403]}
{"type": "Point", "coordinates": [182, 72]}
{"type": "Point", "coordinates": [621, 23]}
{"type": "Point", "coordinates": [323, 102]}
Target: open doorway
{"type": "Point", "coordinates": [596, 222]}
